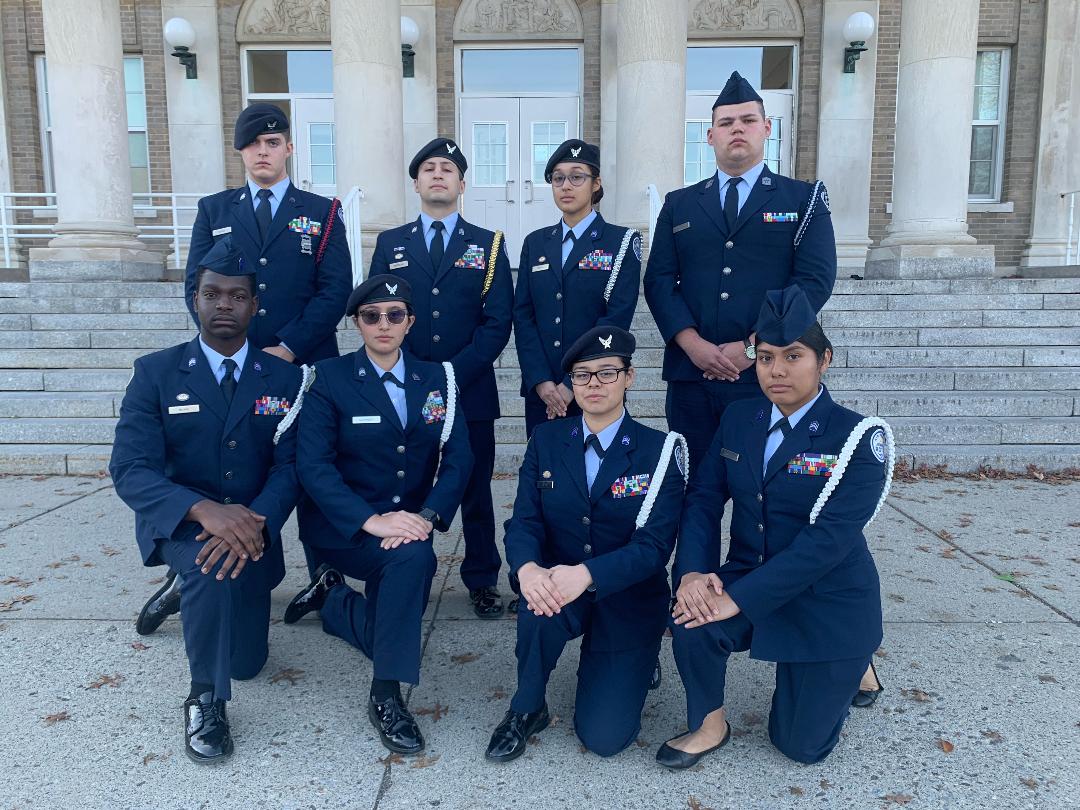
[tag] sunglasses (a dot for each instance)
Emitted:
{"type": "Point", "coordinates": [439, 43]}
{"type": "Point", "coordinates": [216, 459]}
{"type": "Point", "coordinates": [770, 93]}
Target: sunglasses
{"type": "Point", "coordinates": [373, 316]}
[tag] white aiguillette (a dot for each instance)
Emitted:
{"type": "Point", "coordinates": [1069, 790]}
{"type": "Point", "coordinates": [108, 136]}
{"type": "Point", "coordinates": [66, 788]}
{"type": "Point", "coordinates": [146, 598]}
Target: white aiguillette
{"type": "Point", "coordinates": [366, 420]}
{"type": "Point", "coordinates": [184, 408]}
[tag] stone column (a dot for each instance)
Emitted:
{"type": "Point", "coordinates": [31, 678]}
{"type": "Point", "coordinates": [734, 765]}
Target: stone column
{"type": "Point", "coordinates": [365, 37]}
{"type": "Point", "coordinates": [928, 236]}
{"type": "Point", "coordinates": [846, 132]}
{"type": "Point", "coordinates": [1058, 163]}
{"type": "Point", "coordinates": [419, 96]}
{"type": "Point", "coordinates": [651, 61]}
{"type": "Point", "coordinates": [95, 229]}
{"type": "Point", "coordinates": [609, 98]}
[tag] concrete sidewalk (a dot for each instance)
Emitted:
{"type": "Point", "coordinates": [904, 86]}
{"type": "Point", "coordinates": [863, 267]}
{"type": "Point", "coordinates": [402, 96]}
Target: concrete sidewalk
{"type": "Point", "coordinates": [981, 590]}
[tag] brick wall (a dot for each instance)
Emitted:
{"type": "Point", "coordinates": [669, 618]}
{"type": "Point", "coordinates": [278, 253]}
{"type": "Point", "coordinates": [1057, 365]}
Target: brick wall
{"type": "Point", "coordinates": [232, 91]}
{"type": "Point", "coordinates": [881, 162]}
{"type": "Point", "coordinates": [809, 91]}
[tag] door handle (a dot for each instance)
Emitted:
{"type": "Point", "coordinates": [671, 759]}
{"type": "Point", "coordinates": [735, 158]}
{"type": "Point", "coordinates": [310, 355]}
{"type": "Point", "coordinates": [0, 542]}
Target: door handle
{"type": "Point", "coordinates": [509, 199]}
{"type": "Point", "coordinates": [528, 191]}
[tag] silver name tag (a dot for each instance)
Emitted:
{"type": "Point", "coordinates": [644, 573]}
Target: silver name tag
{"type": "Point", "coordinates": [682, 227]}
{"type": "Point", "coordinates": [221, 231]}
{"type": "Point", "coordinates": [183, 409]}
{"type": "Point", "coordinates": [538, 267]}
{"type": "Point", "coordinates": [366, 420]}
{"type": "Point", "coordinates": [731, 454]}
{"type": "Point", "coordinates": [398, 265]}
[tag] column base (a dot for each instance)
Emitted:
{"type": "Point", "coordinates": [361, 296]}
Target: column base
{"type": "Point", "coordinates": [1046, 253]}
{"type": "Point", "coordinates": [851, 254]}
{"type": "Point", "coordinates": [95, 264]}
{"type": "Point", "coordinates": [931, 261]}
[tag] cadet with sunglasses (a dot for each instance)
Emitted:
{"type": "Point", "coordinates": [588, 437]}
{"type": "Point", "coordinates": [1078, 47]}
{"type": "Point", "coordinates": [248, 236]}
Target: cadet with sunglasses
{"type": "Point", "coordinates": [583, 272]}
{"type": "Point", "coordinates": [594, 524]}
{"type": "Point", "coordinates": [463, 297]}
{"type": "Point", "coordinates": [383, 426]}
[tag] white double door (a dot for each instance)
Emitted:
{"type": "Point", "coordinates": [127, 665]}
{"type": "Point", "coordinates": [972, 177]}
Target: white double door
{"type": "Point", "coordinates": [507, 142]}
{"type": "Point", "coordinates": [315, 155]}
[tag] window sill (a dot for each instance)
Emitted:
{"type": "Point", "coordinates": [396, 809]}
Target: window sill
{"type": "Point", "coordinates": [976, 207]}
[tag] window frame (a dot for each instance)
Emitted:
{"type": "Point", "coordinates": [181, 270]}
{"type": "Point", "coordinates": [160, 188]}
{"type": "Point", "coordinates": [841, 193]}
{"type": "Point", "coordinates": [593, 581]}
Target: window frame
{"type": "Point", "coordinates": [998, 161]}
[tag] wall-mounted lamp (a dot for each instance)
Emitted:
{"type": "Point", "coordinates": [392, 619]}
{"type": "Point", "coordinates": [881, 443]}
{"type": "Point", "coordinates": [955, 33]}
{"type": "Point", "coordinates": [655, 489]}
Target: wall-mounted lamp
{"type": "Point", "coordinates": [858, 28]}
{"type": "Point", "coordinates": [181, 37]}
{"type": "Point", "coordinates": [410, 35]}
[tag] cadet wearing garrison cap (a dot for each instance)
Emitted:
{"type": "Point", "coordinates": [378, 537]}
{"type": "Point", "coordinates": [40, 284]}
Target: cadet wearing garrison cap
{"type": "Point", "coordinates": [594, 524]}
{"type": "Point", "coordinates": [799, 587]}
{"type": "Point", "coordinates": [204, 454]}
{"type": "Point", "coordinates": [462, 296]}
{"type": "Point", "coordinates": [718, 246]}
{"type": "Point", "coordinates": [383, 454]}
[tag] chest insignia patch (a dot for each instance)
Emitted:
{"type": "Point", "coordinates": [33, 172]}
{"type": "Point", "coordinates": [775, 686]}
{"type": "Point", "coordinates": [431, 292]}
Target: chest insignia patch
{"type": "Point", "coordinates": [791, 216]}
{"type": "Point", "coordinates": [271, 406]}
{"type": "Point", "coordinates": [630, 486]}
{"type": "Point", "coordinates": [597, 260]}
{"type": "Point", "coordinates": [812, 464]}
{"type": "Point", "coordinates": [434, 409]}
{"type": "Point", "coordinates": [472, 259]}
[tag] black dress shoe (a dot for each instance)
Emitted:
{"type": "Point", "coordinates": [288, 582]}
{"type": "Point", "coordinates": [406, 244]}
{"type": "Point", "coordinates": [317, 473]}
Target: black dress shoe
{"type": "Point", "coordinates": [314, 595]}
{"type": "Point", "coordinates": [487, 603]}
{"type": "Point", "coordinates": [866, 698]}
{"type": "Point", "coordinates": [397, 728]}
{"type": "Point", "coordinates": [161, 605]}
{"type": "Point", "coordinates": [680, 760]}
{"type": "Point", "coordinates": [657, 676]}
{"type": "Point", "coordinates": [512, 605]}
{"type": "Point", "coordinates": [511, 736]}
{"type": "Point", "coordinates": [206, 729]}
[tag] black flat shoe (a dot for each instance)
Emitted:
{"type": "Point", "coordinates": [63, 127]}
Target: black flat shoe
{"type": "Point", "coordinates": [511, 736]}
{"type": "Point", "coordinates": [160, 606]}
{"type": "Point", "coordinates": [678, 760]}
{"type": "Point", "coordinates": [512, 605]}
{"type": "Point", "coordinates": [397, 728]}
{"type": "Point", "coordinates": [865, 698]}
{"type": "Point", "coordinates": [206, 729]}
{"type": "Point", "coordinates": [487, 603]}
{"type": "Point", "coordinates": [314, 595]}
{"type": "Point", "coordinates": [657, 677]}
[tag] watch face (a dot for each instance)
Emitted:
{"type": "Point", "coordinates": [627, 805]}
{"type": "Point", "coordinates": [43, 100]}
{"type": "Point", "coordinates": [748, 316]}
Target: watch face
{"type": "Point", "coordinates": [751, 352]}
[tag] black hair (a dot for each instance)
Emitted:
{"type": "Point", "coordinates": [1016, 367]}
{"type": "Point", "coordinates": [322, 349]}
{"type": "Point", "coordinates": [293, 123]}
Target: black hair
{"type": "Point", "coordinates": [814, 338]}
{"type": "Point", "coordinates": [202, 272]}
{"type": "Point", "coordinates": [598, 195]}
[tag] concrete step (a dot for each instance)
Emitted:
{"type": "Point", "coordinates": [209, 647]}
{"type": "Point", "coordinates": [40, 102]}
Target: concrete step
{"type": "Point", "coordinates": [96, 289]}
{"type": "Point", "coordinates": [1014, 458]}
{"type": "Point", "coordinates": [106, 322]}
{"type": "Point", "coordinates": [68, 358]}
{"type": "Point", "coordinates": [64, 404]}
{"type": "Point", "coordinates": [54, 459]}
{"type": "Point", "coordinates": [67, 430]}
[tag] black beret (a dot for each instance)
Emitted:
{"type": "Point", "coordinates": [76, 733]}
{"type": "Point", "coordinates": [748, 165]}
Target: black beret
{"type": "Point", "coordinates": [442, 148]}
{"type": "Point", "coordinates": [785, 316]}
{"type": "Point", "coordinates": [258, 119]}
{"type": "Point", "coordinates": [574, 150]}
{"type": "Point", "coordinates": [383, 287]}
{"type": "Point", "coordinates": [737, 91]}
{"type": "Point", "coordinates": [224, 258]}
{"type": "Point", "coordinates": [600, 341]}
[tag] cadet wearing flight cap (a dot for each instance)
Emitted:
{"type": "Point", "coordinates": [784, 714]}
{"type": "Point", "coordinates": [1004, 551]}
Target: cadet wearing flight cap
{"type": "Point", "coordinates": [462, 296]}
{"type": "Point", "coordinates": [380, 426]}
{"type": "Point", "coordinates": [581, 272]}
{"type": "Point", "coordinates": [718, 246]}
{"type": "Point", "coordinates": [204, 454]}
{"type": "Point", "coordinates": [799, 586]}
{"type": "Point", "coordinates": [594, 524]}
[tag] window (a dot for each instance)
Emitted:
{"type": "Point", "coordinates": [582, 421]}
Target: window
{"type": "Point", "coordinates": [699, 160]}
{"type": "Point", "coordinates": [323, 164]}
{"type": "Point", "coordinates": [135, 99]}
{"type": "Point", "coordinates": [766, 68]}
{"type": "Point", "coordinates": [546, 138]}
{"type": "Point", "coordinates": [490, 156]}
{"type": "Point", "coordinates": [278, 73]}
{"type": "Point", "coordinates": [521, 71]}
{"type": "Point", "coordinates": [988, 124]}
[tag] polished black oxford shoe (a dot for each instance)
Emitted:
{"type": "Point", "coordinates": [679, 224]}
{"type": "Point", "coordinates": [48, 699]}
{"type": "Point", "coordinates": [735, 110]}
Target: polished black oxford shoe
{"type": "Point", "coordinates": [865, 698]}
{"type": "Point", "coordinates": [397, 728]}
{"type": "Point", "coordinates": [206, 729]}
{"type": "Point", "coordinates": [511, 736]}
{"type": "Point", "coordinates": [487, 603]}
{"type": "Point", "coordinates": [314, 595]}
{"type": "Point", "coordinates": [678, 760]}
{"type": "Point", "coordinates": [160, 606]}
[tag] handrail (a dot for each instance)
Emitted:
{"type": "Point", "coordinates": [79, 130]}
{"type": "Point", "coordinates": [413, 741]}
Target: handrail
{"type": "Point", "coordinates": [655, 203]}
{"type": "Point", "coordinates": [350, 213]}
{"type": "Point", "coordinates": [1069, 238]}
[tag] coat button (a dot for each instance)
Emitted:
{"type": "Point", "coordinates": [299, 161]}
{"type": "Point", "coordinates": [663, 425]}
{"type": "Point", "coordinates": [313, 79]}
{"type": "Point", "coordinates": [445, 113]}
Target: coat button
{"type": "Point", "coordinates": [586, 520]}
{"type": "Point", "coordinates": [760, 497]}
{"type": "Point", "coordinates": [729, 245]}
{"type": "Point", "coordinates": [228, 475]}
{"type": "Point", "coordinates": [558, 343]}
{"type": "Point", "coordinates": [262, 311]}
{"type": "Point", "coordinates": [558, 320]}
{"type": "Point", "coordinates": [724, 296]}
{"type": "Point", "coordinates": [396, 499]}
{"type": "Point", "coordinates": [588, 549]}
{"type": "Point", "coordinates": [435, 338]}
{"type": "Point", "coordinates": [761, 558]}
{"type": "Point", "coordinates": [401, 448]}
{"type": "Point", "coordinates": [262, 261]}
{"type": "Point", "coordinates": [434, 290]}
{"type": "Point", "coordinates": [435, 314]}
{"type": "Point", "coordinates": [232, 444]}
{"type": "Point", "coordinates": [760, 528]}
{"type": "Point", "coordinates": [400, 473]}
{"type": "Point", "coordinates": [262, 287]}
{"type": "Point", "coordinates": [727, 271]}
{"type": "Point", "coordinates": [226, 500]}
{"type": "Point", "coordinates": [558, 296]}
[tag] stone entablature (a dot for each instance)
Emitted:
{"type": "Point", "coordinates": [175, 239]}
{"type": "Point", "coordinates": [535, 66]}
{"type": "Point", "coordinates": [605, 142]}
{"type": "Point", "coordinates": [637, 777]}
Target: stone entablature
{"type": "Point", "coordinates": [711, 19]}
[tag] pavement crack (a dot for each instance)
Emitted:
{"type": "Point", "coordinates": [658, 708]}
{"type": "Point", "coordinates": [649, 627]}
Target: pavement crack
{"type": "Point", "coordinates": [55, 508]}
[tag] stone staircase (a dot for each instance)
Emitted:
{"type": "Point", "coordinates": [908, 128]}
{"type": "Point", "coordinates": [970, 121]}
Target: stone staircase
{"type": "Point", "coordinates": [968, 372]}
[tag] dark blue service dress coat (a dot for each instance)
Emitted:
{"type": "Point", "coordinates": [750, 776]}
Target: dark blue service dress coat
{"type": "Point", "coordinates": [300, 303]}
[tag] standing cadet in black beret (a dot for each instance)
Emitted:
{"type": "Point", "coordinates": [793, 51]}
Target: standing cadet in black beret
{"type": "Point", "coordinates": [298, 252]}
{"type": "Point", "coordinates": [594, 524]}
{"type": "Point", "coordinates": [380, 427]}
{"type": "Point", "coordinates": [463, 297]}
{"type": "Point", "coordinates": [718, 246]}
{"type": "Point", "coordinates": [580, 273]}
{"type": "Point", "coordinates": [205, 456]}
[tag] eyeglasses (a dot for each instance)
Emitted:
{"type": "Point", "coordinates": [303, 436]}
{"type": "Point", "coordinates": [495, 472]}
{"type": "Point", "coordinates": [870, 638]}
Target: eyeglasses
{"type": "Point", "coordinates": [576, 179]}
{"type": "Point", "coordinates": [604, 375]}
{"type": "Point", "coordinates": [373, 316]}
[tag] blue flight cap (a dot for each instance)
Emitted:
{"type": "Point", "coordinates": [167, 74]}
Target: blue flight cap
{"type": "Point", "coordinates": [737, 91]}
{"type": "Point", "coordinates": [225, 259]}
{"type": "Point", "coordinates": [786, 315]}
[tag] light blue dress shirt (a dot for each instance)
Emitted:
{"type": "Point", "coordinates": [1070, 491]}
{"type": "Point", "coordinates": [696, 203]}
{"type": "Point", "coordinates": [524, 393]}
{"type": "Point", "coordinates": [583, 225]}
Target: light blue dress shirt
{"type": "Point", "coordinates": [746, 183]}
{"type": "Point", "coordinates": [579, 231]}
{"type": "Point", "coordinates": [277, 194]}
{"type": "Point", "coordinates": [450, 221]}
{"type": "Point", "coordinates": [606, 436]}
{"type": "Point", "coordinates": [775, 438]}
{"type": "Point", "coordinates": [396, 394]}
{"type": "Point", "coordinates": [217, 360]}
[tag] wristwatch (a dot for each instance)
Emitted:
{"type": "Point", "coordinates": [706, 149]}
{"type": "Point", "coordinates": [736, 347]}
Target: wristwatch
{"type": "Point", "coordinates": [429, 514]}
{"type": "Point", "coordinates": [749, 349]}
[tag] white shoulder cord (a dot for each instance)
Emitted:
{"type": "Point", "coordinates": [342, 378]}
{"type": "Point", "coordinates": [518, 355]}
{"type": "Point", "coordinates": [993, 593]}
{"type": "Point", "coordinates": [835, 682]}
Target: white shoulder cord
{"type": "Point", "coordinates": [661, 470]}
{"type": "Point", "coordinates": [451, 404]}
{"type": "Point", "coordinates": [305, 383]}
{"type": "Point", "coordinates": [818, 186]}
{"type": "Point", "coordinates": [845, 457]}
{"type": "Point", "coordinates": [627, 238]}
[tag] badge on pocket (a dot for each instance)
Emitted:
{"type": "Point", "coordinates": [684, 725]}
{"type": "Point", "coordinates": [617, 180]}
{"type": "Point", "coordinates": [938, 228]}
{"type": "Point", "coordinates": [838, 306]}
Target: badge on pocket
{"type": "Point", "coordinates": [434, 409]}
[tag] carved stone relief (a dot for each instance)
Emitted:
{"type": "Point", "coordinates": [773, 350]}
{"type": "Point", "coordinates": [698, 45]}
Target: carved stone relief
{"type": "Point", "coordinates": [276, 20]}
{"type": "Point", "coordinates": [518, 19]}
{"type": "Point", "coordinates": [762, 18]}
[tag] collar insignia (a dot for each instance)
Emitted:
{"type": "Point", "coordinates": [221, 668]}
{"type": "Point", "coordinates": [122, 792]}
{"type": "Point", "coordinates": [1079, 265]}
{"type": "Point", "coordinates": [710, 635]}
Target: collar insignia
{"type": "Point", "coordinates": [190, 362]}
{"type": "Point", "coordinates": [575, 152]}
{"type": "Point", "coordinates": [606, 343]}
{"type": "Point", "coordinates": [361, 372]}
{"type": "Point", "coordinates": [815, 426]}
{"type": "Point", "coordinates": [760, 414]}
{"type": "Point", "coordinates": [766, 181]}
{"type": "Point", "coordinates": [416, 377]}
{"type": "Point", "coordinates": [573, 432]}
{"type": "Point", "coordinates": [625, 441]}
{"type": "Point", "coordinates": [257, 366]}
{"type": "Point", "coordinates": [391, 289]}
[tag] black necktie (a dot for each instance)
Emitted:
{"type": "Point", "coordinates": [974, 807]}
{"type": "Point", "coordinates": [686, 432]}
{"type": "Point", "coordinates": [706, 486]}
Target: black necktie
{"type": "Point", "coordinates": [437, 246]}
{"type": "Point", "coordinates": [573, 241]}
{"type": "Point", "coordinates": [228, 382]}
{"type": "Point", "coordinates": [731, 203]}
{"type": "Point", "coordinates": [783, 424]}
{"type": "Point", "coordinates": [388, 376]}
{"type": "Point", "coordinates": [593, 441]}
{"type": "Point", "coordinates": [262, 212]}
